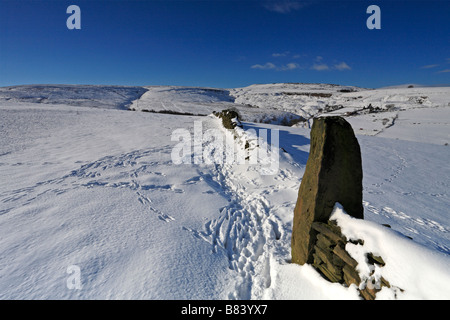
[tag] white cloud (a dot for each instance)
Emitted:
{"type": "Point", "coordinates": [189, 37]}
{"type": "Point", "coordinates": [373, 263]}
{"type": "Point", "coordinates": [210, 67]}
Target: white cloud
{"type": "Point", "coordinates": [444, 71]}
{"type": "Point", "coordinates": [277, 55]}
{"type": "Point", "coordinates": [267, 66]}
{"type": "Point", "coordinates": [342, 66]}
{"type": "Point", "coordinates": [271, 66]}
{"type": "Point", "coordinates": [430, 66]}
{"type": "Point", "coordinates": [283, 6]}
{"type": "Point", "coordinates": [290, 66]}
{"type": "Point", "coordinates": [320, 67]}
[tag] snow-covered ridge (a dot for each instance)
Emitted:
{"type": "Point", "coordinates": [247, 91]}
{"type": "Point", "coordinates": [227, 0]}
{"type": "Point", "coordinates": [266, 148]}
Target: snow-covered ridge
{"type": "Point", "coordinates": [418, 110]}
{"type": "Point", "coordinates": [204, 101]}
{"type": "Point", "coordinates": [95, 96]}
{"type": "Point", "coordinates": [370, 111]}
{"type": "Point", "coordinates": [410, 112]}
{"type": "Point", "coordinates": [306, 100]}
{"type": "Point", "coordinates": [311, 99]}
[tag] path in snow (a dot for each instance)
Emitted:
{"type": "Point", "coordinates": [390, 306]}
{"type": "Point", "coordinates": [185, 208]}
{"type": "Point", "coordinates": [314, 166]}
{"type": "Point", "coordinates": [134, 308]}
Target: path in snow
{"type": "Point", "coordinates": [253, 230]}
{"type": "Point", "coordinates": [400, 185]}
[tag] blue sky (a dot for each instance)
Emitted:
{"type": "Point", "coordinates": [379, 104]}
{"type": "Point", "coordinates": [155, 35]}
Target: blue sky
{"type": "Point", "coordinates": [224, 43]}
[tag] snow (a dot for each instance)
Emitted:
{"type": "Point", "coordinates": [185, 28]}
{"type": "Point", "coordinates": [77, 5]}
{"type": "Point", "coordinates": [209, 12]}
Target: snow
{"type": "Point", "coordinates": [420, 273]}
{"type": "Point", "coordinates": [115, 97]}
{"type": "Point", "coordinates": [419, 109]}
{"type": "Point", "coordinates": [108, 202]}
{"type": "Point", "coordinates": [88, 183]}
{"type": "Point", "coordinates": [203, 101]}
{"type": "Point", "coordinates": [303, 99]}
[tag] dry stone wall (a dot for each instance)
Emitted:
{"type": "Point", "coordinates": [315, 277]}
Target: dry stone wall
{"type": "Point", "coordinates": [335, 264]}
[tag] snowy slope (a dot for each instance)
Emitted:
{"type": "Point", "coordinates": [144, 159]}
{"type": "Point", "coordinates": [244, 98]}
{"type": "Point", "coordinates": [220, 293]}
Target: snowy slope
{"type": "Point", "coordinates": [97, 188]}
{"type": "Point", "coordinates": [115, 97]}
{"type": "Point", "coordinates": [418, 109]}
{"type": "Point", "coordinates": [370, 111]}
{"type": "Point", "coordinates": [204, 101]}
{"type": "Point", "coordinates": [306, 100]}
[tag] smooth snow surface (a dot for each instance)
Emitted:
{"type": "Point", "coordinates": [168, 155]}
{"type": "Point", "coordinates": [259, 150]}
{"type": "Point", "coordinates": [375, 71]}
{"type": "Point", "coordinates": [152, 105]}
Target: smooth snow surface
{"type": "Point", "coordinates": [87, 183]}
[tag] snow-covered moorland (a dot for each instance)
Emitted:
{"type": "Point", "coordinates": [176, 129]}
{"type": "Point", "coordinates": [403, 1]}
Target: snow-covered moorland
{"type": "Point", "coordinates": [93, 207]}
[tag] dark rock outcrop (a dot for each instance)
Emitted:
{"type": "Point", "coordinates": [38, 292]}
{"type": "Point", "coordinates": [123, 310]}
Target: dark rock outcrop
{"type": "Point", "coordinates": [333, 174]}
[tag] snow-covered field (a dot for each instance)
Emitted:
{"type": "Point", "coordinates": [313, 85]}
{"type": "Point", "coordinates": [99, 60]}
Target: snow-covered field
{"type": "Point", "coordinates": [93, 207]}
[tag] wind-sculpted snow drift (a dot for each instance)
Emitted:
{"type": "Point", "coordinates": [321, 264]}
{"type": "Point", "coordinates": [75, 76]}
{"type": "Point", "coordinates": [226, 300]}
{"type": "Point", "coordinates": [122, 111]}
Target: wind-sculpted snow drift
{"type": "Point", "coordinates": [89, 185]}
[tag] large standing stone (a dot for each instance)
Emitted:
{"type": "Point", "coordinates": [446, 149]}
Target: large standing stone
{"type": "Point", "coordinates": [333, 174]}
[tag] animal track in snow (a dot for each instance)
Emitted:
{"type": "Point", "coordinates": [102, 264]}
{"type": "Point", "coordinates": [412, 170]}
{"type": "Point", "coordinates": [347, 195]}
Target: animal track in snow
{"type": "Point", "coordinates": [391, 213]}
{"type": "Point", "coordinates": [146, 201]}
{"type": "Point", "coordinates": [113, 171]}
{"type": "Point", "coordinates": [193, 180]}
{"type": "Point", "coordinates": [413, 225]}
{"type": "Point", "coordinates": [396, 172]}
